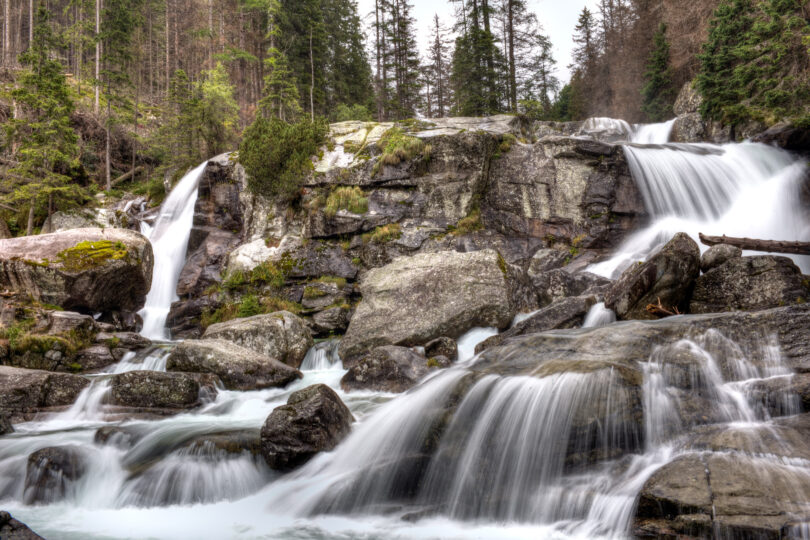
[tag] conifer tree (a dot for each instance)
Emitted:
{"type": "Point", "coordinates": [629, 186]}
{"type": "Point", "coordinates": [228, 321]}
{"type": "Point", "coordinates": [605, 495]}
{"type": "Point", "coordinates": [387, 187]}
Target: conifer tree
{"type": "Point", "coordinates": [281, 97]}
{"type": "Point", "coordinates": [658, 94]}
{"type": "Point", "coordinates": [218, 111]}
{"type": "Point", "coordinates": [438, 66]}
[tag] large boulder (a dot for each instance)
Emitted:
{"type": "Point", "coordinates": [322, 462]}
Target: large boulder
{"type": "Point", "coordinates": [11, 529]}
{"type": "Point", "coordinates": [416, 299]}
{"type": "Point", "coordinates": [717, 255]}
{"type": "Point", "coordinates": [668, 276]}
{"type": "Point", "coordinates": [786, 136]}
{"type": "Point", "coordinates": [81, 269]}
{"type": "Point", "coordinates": [29, 390]}
{"type": "Point", "coordinates": [386, 369]}
{"type": "Point", "coordinates": [749, 283]}
{"type": "Point", "coordinates": [238, 368]}
{"type": "Point", "coordinates": [554, 285]}
{"type": "Point", "coordinates": [281, 336]}
{"type": "Point", "coordinates": [154, 390]}
{"type": "Point", "coordinates": [313, 420]}
{"type": "Point", "coordinates": [52, 473]}
{"type": "Point", "coordinates": [565, 313]}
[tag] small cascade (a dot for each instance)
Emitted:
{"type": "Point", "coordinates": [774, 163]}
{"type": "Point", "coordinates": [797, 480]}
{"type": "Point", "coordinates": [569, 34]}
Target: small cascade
{"type": "Point", "coordinates": [598, 316]}
{"type": "Point", "coordinates": [169, 237]}
{"type": "Point", "coordinates": [653, 133]}
{"type": "Point", "coordinates": [323, 356]}
{"type": "Point", "coordinates": [607, 128]}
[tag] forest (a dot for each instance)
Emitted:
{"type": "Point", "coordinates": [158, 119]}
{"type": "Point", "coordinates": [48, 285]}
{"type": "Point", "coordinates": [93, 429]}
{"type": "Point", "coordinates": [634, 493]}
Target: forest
{"type": "Point", "coordinates": [127, 94]}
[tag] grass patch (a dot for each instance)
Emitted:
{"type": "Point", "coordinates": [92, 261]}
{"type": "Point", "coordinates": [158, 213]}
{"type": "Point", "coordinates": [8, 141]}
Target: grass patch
{"type": "Point", "coordinates": [349, 198]}
{"type": "Point", "coordinates": [469, 224]}
{"type": "Point", "coordinates": [339, 281]}
{"type": "Point", "coordinates": [383, 234]}
{"type": "Point", "coordinates": [397, 147]}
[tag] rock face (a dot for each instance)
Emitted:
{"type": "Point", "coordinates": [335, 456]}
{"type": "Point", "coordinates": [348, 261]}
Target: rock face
{"type": "Point", "coordinates": [11, 529]}
{"type": "Point", "coordinates": [386, 369]}
{"type": "Point", "coordinates": [5, 425]}
{"type": "Point", "coordinates": [28, 390]}
{"type": "Point", "coordinates": [81, 269]}
{"type": "Point", "coordinates": [749, 283]}
{"type": "Point", "coordinates": [313, 420]}
{"type": "Point", "coordinates": [51, 473]}
{"type": "Point", "coordinates": [667, 275]}
{"type": "Point", "coordinates": [416, 299]}
{"type": "Point", "coordinates": [787, 136]}
{"type": "Point", "coordinates": [565, 313]}
{"type": "Point", "coordinates": [717, 255]}
{"type": "Point", "coordinates": [281, 336]}
{"type": "Point", "coordinates": [154, 390]}
{"type": "Point", "coordinates": [238, 368]}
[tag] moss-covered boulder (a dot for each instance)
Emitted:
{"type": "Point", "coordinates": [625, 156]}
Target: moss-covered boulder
{"type": "Point", "coordinates": [82, 269]}
{"type": "Point", "coordinates": [153, 389]}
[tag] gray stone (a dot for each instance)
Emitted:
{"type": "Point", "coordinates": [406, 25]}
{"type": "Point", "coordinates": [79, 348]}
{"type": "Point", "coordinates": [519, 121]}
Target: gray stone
{"type": "Point", "coordinates": [749, 283]}
{"type": "Point", "coordinates": [30, 390]}
{"type": "Point", "coordinates": [688, 100]}
{"type": "Point", "coordinates": [154, 390]}
{"type": "Point", "coordinates": [281, 336]}
{"type": "Point", "coordinates": [717, 255]}
{"type": "Point", "coordinates": [386, 369]}
{"type": "Point", "coordinates": [239, 368]}
{"type": "Point", "coordinates": [668, 276]}
{"type": "Point", "coordinates": [555, 285]}
{"type": "Point", "coordinates": [62, 322]}
{"type": "Point", "coordinates": [5, 425]}
{"type": "Point", "coordinates": [11, 529]}
{"type": "Point", "coordinates": [416, 299]}
{"type": "Point", "coordinates": [313, 420]}
{"type": "Point", "coordinates": [52, 472]}
{"type": "Point", "coordinates": [443, 346]}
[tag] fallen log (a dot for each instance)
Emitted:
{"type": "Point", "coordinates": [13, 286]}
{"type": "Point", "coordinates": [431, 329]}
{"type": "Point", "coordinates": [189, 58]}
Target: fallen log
{"type": "Point", "coordinates": [771, 246]}
{"type": "Point", "coordinates": [658, 310]}
{"type": "Point", "coordinates": [127, 175]}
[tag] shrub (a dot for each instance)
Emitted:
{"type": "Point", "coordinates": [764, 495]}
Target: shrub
{"type": "Point", "coordinates": [468, 224]}
{"type": "Point", "coordinates": [249, 306]}
{"type": "Point", "coordinates": [384, 234]}
{"type": "Point", "coordinates": [349, 198]}
{"type": "Point", "coordinates": [277, 155]}
{"type": "Point", "coordinates": [345, 113]}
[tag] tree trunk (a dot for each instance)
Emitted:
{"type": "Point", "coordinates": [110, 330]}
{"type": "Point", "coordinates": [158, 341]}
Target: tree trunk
{"type": "Point", "coordinates": [168, 59]}
{"type": "Point", "coordinates": [29, 230]}
{"type": "Point", "coordinates": [312, 78]}
{"type": "Point", "coordinates": [769, 246]}
{"type": "Point", "coordinates": [512, 69]}
{"type": "Point", "coordinates": [6, 33]}
{"type": "Point", "coordinates": [30, 22]}
{"type": "Point", "coordinates": [97, 83]}
{"type": "Point", "coordinates": [107, 145]}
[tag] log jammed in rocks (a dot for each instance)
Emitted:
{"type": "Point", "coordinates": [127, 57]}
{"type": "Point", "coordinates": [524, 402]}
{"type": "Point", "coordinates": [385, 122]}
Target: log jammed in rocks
{"type": "Point", "coordinates": [768, 246]}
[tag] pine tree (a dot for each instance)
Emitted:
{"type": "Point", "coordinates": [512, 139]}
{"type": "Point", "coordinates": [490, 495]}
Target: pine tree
{"type": "Point", "coordinates": [218, 111]}
{"type": "Point", "coordinates": [43, 141]}
{"type": "Point", "coordinates": [438, 66]}
{"type": "Point", "coordinates": [586, 47]}
{"type": "Point", "coordinates": [281, 97]}
{"type": "Point", "coordinates": [541, 85]}
{"type": "Point", "coordinates": [658, 94]}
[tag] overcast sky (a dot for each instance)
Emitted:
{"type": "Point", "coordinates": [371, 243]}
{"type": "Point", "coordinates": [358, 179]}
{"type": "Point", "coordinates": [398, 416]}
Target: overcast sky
{"type": "Point", "coordinates": [559, 17]}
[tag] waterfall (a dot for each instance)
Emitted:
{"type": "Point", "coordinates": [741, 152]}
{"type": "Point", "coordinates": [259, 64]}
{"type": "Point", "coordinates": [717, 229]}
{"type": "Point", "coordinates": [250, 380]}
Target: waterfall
{"type": "Point", "coordinates": [652, 133]}
{"type": "Point", "coordinates": [746, 190]}
{"type": "Point", "coordinates": [169, 237]}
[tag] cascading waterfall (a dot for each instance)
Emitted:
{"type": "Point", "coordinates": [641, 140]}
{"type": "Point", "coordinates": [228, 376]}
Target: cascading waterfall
{"type": "Point", "coordinates": [169, 237]}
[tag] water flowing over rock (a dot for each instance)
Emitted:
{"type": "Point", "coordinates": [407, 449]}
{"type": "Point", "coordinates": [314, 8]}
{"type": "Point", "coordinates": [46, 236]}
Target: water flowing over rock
{"type": "Point", "coordinates": [749, 283]}
{"type": "Point", "coordinates": [154, 390]}
{"type": "Point", "coordinates": [281, 336]}
{"type": "Point", "coordinates": [387, 369]}
{"type": "Point", "coordinates": [239, 368]}
{"type": "Point", "coordinates": [416, 299]}
{"type": "Point", "coordinates": [11, 529]}
{"type": "Point", "coordinates": [313, 420]}
{"type": "Point", "coordinates": [28, 390]}
{"type": "Point", "coordinates": [86, 269]}
{"type": "Point", "coordinates": [52, 473]}
{"type": "Point", "coordinates": [667, 276]}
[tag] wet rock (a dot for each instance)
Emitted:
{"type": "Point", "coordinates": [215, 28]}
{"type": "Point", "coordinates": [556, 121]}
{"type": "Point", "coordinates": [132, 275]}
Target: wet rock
{"type": "Point", "coordinates": [52, 472]}
{"type": "Point", "coordinates": [313, 420]}
{"type": "Point", "coordinates": [11, 529]}
{"type": "Point", "coordinates": [230, 442]}
{"type": "Point", "coordinates": [118, 436]}
{"type": "Point", "coordinates": [749, 283]}
{"type": "Point", "coordinates": [547, 259]}
{"type": "Point", "coordinates": [564, 313]}
{"type": "Point", "coordinates": [81, 269]}
{"type": "Point", "coordinates": [281, 336]}
{"type": "Point", "coordinates": [94, 357]}
{"type": "Point", "coordinates": [668, 275]}
{"type": "Point", "coordinates": [331, 321]}
{"type": "Point", "coordinates": [154, 390]}
{"type": "Point", "coordinates": [239, 368]}
{"type": "Point", "coordinates": [5, 425]}
{"type": "Point", "coordinates": [386, 369]}
{"type": "Point", "coordinates": [28, 390]}
{"type": "Point", "coordinates": [717, 255]}
{"type": "Point", "coordinates": [416, 299]}
{"type": "Point", "coordinates": [62, 322]}
{"type": "Point", "coordinates": [689, 128]}
{"type": "Point", "coordinates": [782, 396]}
{"type": "Point", "coordinates": [787, 136]}
{"type": "Point", "coordinates": [126, 340]}
{"type": "Point", "coordinates": [184, 316]}
{"type": "Point", "coordinates": [556, 285]}
{"type": "Point", "coordinates": [443, 346]}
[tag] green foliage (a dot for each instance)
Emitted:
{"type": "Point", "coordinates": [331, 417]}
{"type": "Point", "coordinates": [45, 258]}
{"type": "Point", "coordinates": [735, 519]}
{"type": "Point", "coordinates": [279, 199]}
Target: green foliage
{"type": "Point", "coordinates": [86, 255]}
{"type": "Point", "coordinates": [339, 281]}
{"type": "Point", "coordinates": [658, 94]}
{"type": "Point", "coordinates": [344, 113]}
{"type": "Point", "coordinates": [313, 292]}
{"type": "Point", "coordinates": [398, 147]}
{"type": "Point", "coordinates": [476, 74]}
{"type": "Point", "coordinates": [249, 306]}
{"type": "Point", "coordinates": [218, 112]}
{"type": "Point", "coordinates": [383, 234]}
{"type": "Point", "coordinates": [468, 224]}
{"type": "Point", "coordinates": [277, 155]}
{"type": "Point", "coordinates": [349, 198]}
{"type": "Point", "coordinates": [754, 64]}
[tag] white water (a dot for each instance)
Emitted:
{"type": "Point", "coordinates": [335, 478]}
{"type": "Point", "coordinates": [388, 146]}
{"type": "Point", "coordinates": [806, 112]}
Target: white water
{"type": "Point", "coordinates": [599, 316]}
{"type": "Point", "coordinates": [652, 133]}
{"type": "Point", "coordinates": [169, 237]}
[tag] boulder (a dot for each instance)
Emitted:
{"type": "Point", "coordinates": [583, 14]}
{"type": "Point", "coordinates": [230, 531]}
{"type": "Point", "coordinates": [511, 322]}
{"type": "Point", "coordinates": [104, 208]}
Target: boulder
{"type": "Point", "coordinates": [717, 255]}
{"type": "Point", "coordinates": [689, 128]}
{"type": "Point", "coordinates": [154, 390]}
{"type": "Point", "coordinates": [52, 472]}
{"type": "Point", "coordinates": [5, 425]}
{"type": "Point", "coordinates": [313, 420]}
{"type": "Point", "coordinates": [62, 322]}
{"type": "Point", "coordinates": [748, 284]}
{"type": "Point", "coordinates": [416, 299]}
{"type": "Point", "coordinates": [281, 336]}
{"type": "Point", "coordinates": [386, 369]}
{"type": "Point", "coordinates": [564, 313]}
{"type": "Point", "coordinates": [92, 358]}
{"type": "Point", "coordinates": [11, 529]}
{"type": "Point", "coordinates": [82, 269]}
{"type": "Point", "coordinates": [29, 390]}
{"type": "Point", "coordinates": [668, 275]}
{"type": "Point", "coordinates": [239, 368]}
{"type": "Point", "coordinates": [547, 259]}
{"type": "Point", "coordinates": [126, 340]}
{"type": "Point", "coordinates": [443, 346]}
{"type": "Point", "coordinates": [331, 321]}
{"type": "Point", "coordinates": [123, 437]}
{"type": "Point", "coordinates": [554, 285]}
{"type": "Point", "coordinates": [787, 136]}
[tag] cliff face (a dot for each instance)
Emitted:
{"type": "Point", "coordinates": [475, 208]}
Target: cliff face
{"type": "Point", "coordinates": [474, 184]}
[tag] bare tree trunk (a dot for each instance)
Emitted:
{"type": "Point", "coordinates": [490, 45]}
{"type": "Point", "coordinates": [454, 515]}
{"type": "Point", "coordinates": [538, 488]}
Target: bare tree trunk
{"type": "Point", "coordinates": [6, 33]}
{"type": "Point", "coordinates": [168, 60]}
{"type": "Point", "coordinates": [512, 69]}
{"type": "Point", "coordinates": [107, 145]}
{"type": "Point", "coordinates": [30, 22]}
{"type": "Point", "coordinates": [768, 246]}
{"type": "Point", "coordinates": [312, 79]}
{"type": "Point", "coordinates": [380, 111]}
{"type": "Point", "coordinates": [29, 230]}
{"type": "Point", "coordinates": [97, 82]}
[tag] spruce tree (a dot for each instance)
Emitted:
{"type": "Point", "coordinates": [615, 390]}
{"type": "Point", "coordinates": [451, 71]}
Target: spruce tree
{"type": "Point", "coordinates": [218, 111]}
{"type": "Point", "coordinates": [281, 97]}
{"type": "Point", "coordinates": [658, 94]}
{"type": "Point", "coordinates": [42, 140]}
{"type": "Point", "coordinates": [438, 66]}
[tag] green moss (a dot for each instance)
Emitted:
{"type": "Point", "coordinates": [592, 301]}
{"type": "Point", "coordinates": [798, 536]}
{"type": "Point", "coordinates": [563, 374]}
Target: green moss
{"type": "Point", "coordinates": [235, 280]}
{"type": "Point", "coordinates": [249, 306]}
{"type": "Point", "coordinates": [433, 363]}
{"type": "Point", "coordinates": [87, 255]}
{"type": "Point", "coordinates": [397, 147]}
{"type": "Point", "coordinates": [502, 264]}
{"type": "Point", "coordinates": [507, 140]}
{"type": "Point", "coordinates": [114, 342]}
{"type": "Point", "coordinates": [357, 261]}
{"type": "Point", "coordinates": [314, 292]}
{"type": "Point", "coordinates": [339, 281]}
{"type": "Point", "coordinates": [469, 224]}
{"type": "Point", "coordinates": [383, 234]}
{"type": "Point", "coordinates": [349, 198]}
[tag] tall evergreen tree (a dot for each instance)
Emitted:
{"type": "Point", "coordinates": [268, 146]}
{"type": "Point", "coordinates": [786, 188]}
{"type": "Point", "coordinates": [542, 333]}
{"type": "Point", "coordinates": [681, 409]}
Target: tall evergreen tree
{"type": "Point", "coordinates": [281, 96]}
{"type": "Point", "coordinates": [658, 94]}
{"type": "Point", "coordinates": [438, 66]}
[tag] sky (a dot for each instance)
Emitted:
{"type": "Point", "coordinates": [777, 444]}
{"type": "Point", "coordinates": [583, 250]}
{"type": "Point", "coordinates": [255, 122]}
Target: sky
{"type": "Point", "coordinates": [558, 17]}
